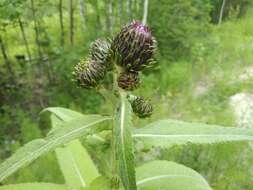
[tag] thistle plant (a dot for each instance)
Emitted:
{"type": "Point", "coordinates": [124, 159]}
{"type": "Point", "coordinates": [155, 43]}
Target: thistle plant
{"type": "Point", "coordinates": [110, 139]}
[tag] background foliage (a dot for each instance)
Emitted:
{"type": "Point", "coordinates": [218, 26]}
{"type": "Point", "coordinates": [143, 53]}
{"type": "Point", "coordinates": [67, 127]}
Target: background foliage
{"type": "Point", "coordinates": [200, 62]}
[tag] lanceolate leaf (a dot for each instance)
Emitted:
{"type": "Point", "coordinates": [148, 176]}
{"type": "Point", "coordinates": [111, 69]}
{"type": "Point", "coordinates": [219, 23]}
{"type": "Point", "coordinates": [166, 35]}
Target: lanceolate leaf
{"type": "Point", "coordinates": [76, 165]}
{"type": "Point", "coordinates": [34, 186]}
{"type": "Point", "coordinates": [64, 114]}
{"type": "Point", "coordinates": [167, 175]}
{"type": "Point", "coordinates": [123, 145]}
{"type": "Point", "coordinates": [168, 132]}
{"type": "Point", "coordinates": [70, 131]}
{"type": "Point", "coordinates": [100, 183]}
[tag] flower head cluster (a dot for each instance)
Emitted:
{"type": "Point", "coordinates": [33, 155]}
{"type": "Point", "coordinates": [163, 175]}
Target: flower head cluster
{"type": "Point", "coordinates": [130, 51]}
{"type": "Point", "coordinates": [133, 49]}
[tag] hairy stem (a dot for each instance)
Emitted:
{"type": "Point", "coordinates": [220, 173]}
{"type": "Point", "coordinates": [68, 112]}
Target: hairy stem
{"type": "Point", "coordinates": [115, 181]}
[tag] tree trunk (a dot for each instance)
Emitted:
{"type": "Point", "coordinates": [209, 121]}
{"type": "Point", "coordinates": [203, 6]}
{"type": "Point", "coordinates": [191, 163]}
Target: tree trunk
{"type": "Point", "coordinates": [71, 21]}
{"type": "Point", "coordinates": [134, 5]}
{"type": "Point", "coordinates": [129, 9]}
{"type": "Point", "coordinates": [221, 11]}
{"type": "Point", "coordinates": [83, 13]}
{"type": "Point", "coordinates": [136, 9]}
{"type": "Point", "coordinates": [98, 23]}
{"type": "Point", "coordinates": [244, 7]}
{"type": "Point", "coordinates": [61, 23]}
{"type": "Point", "coordinates": [120, 9]}
{"type": "Point", "coordinates": [7, 62]}
{"type": "Point", "coordinates": [145, 13]}
{"type": "Point", "coordinates": [109, 16]}
{"type": "Point", "coordinates": [36, 29]}
{"type": "Point", "coordinates": [24, 38]}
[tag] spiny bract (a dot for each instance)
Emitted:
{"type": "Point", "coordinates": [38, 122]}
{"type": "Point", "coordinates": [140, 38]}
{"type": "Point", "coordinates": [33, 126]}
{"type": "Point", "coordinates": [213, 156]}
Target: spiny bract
{"type": "Point", "coordinates": [129, 80]}
{"type": "Point", "coordinates": [134, 47]}
{"type": "Point", "coordinates": [141, 107]}
{"type": "Point", "coordinates": [88, 73]}
{"type": "Point", "coordinates": [99, 51]}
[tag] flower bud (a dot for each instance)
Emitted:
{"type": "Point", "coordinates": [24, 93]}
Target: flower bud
{"type": "Point", "coordinates": [129, 80]}
{"type": "Point", "coordinates": [88, 73]}
{"type": "Point", "coordinates": [99, 51]}
{"type": "Point", "coordinates": [142, 108]}
{"type": "Point", "coordinates": [134, 47]}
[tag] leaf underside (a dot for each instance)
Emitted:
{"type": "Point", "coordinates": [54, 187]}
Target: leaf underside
{"type": "Point", "coordinates": [169, 132]}
{"type": "Point", "coordinates": [75, 163]}
{"type": "Point", "coordinates": [167, 175]}
{"type": "Point", "coordinates": [100, 183]}
{"type": "Point", "coordinates": [34, 186]}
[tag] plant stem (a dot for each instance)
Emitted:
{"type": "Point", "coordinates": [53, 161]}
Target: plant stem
{"type": "Point", "coordinates": [115, 181]}
{"type": "Point", "coordinates": [145, 13]}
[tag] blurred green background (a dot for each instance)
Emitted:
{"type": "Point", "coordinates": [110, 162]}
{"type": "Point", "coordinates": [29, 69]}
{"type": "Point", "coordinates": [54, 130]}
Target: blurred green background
{"type": "Point", "coordinates": [204, 73]}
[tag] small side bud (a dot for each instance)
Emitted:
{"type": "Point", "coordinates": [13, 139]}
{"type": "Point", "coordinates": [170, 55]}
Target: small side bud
{"type": "Point", "coordinates": [129, 81]}
{"type": "Point", "coordinates": [141, 107]}
{"type": "Point", "coordinates": [89, 73]}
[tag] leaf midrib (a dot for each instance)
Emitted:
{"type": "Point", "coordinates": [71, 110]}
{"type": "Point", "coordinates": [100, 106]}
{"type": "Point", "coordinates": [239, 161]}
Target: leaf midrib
{"type": "Point", "coordinates": [76, 169]}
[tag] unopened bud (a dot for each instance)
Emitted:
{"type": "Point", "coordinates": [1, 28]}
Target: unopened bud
{"type": "Point", "coordinates": [99, 51]}
{"type": "Point", "coordinates": [89, 73]}
{"type": "Point", "coordinates": [129, 81]}
{"type": "Point", "coordinates": [141, 107]}
{"type": "Point", "coordinates": [134, 47]}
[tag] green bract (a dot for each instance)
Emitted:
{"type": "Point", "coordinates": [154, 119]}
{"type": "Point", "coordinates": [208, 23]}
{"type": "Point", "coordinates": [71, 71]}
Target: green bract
{"type": "Point", "coordinates": [88, 74]}
{"type": "Point", "coordinates": [129, 80]}
{"type": "Point", "coordinates": [100, 50]}
{"type": "Point", "coordinates": [141, 107]}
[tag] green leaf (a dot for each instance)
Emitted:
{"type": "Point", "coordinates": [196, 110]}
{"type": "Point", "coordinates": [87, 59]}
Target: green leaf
{"type": "Point", "coordinates": [100, 183]}
{"type": "Point", "coordinates": [76, 165]}
{"type": "Point", "coordinates": [63, 113]}
{"type": "Point", "coordinates": [123, 144]}
{"type": "Point", "coordinates": [34, 186]}
{"type": "Point", "coordinates": [169, 132]}
{"type": "Point", "coordinates": [167, 175]}
{"type": "Point", "coordinates": [34, 149]}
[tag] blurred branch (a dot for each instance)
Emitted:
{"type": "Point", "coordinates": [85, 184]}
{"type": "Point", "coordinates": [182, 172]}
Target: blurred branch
{"type": "Point", "coordinates": [61, 22]}
{"type": "Point", "coordinates": [71, 21]}
{"type": "Point", "coordinates": [24, 38]}
{"type": "Point", "coordinates": [7, 62]}
{"type": "Point", "coordinates": [36, 29]}
{"type": "Point", "coordinates": [129, 9]}
{"type": "Point", "coordinates": [120, 9]}
{"type": "Point", "coordinates": [109, 16]}
{"type": "Point", "coordinates": [221, 11]}
{"type": "Point", "coordinates": [83, 13]}
{"type": "Point", "coordinates": [145, 13]}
